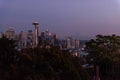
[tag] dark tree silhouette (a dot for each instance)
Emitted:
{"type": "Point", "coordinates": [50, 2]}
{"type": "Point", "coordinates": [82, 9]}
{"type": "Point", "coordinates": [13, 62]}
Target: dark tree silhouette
{"type": "Point", "coordinates": [102, 52]}
{"type": "Point", "coordinates": [38, 63]}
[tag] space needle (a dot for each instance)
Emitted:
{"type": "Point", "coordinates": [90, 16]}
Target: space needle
{"type": "Point", "coordinates": [36, 32]}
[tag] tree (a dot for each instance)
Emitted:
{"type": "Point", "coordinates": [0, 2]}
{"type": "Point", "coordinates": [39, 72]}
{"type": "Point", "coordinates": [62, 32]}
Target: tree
{"type": "Point", "coordinates": [38, 63]}
{"type": "Point", "coordinates": [103, 50]}
{"type": "Point", "coordinates": [7, 56]}
{"type": "Point", "coordinates": [7, 51]}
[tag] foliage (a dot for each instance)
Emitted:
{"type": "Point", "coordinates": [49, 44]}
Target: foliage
{"type": "Point", "coordinates": [104, 51]}
{"type": "Point", "coordinates": [103, 48]}
{"type": "Point", "coordinates": [38, 64]}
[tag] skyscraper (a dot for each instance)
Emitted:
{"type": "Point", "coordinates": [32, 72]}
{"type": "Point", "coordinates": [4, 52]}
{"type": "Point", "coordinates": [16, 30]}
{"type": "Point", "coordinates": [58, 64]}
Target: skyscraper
{"type": "Point", "coordinates": [23, 39]}
{"type": "Point", "coordinates": [10, 33]}
{"type": "Point", "coordinates": [69, 46]}
{"type": "Point", "coordinates": [77, 43]}
{"type": "Point", "coordinates": [1, 34]}
{"type": "Point", "coordinates": [30, 38]}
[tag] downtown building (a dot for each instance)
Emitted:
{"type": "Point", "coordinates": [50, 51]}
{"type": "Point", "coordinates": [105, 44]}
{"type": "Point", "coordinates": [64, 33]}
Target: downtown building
{"type": "Point", "coordinates": [10, 34]}
{"type": "Point", "coordinates": [1, 35]}
{"type": "Point", "coordinates": [22, 40]}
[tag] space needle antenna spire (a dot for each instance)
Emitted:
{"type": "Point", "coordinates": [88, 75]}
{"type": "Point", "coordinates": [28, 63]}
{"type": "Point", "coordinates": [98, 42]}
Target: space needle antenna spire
{"type": "Point", "coordinates": [36, 32]}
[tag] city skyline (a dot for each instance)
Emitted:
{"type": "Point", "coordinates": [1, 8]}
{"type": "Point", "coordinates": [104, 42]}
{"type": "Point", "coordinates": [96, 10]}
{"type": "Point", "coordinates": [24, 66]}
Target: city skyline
{"type": "Point", "coordinates": [79, 18]}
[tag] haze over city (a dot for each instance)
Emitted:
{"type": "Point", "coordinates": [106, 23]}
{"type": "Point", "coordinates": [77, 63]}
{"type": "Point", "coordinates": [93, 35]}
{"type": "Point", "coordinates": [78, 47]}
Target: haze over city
{"type": "Point", "coordinates": [78, 18]}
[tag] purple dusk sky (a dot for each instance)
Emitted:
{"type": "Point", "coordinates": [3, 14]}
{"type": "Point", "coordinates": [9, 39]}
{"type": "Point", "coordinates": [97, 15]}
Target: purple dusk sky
{"type": "Point", "coordinates": [78, 18]}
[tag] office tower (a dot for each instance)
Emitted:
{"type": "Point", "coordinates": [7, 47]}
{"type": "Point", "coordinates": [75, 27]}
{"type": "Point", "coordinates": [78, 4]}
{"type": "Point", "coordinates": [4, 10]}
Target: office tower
{"type": "Point", "coordinates": [56, 40]}
{"type": "Point", "coordinates": [23, 39]}
{"type": "Point", "coordinates": [1, 34]}
{"type": "Point", "coordinates": [42, 38]}
{"type": "Point", "coordinates": [30, 38]}
{"type": "Point", "coordinates": [43, 35]}
{"type": "Point", "coordinates": [63, 44]}
{"type": "Point", "coordinates": [37, 33]}
{"type": "Point", "coordinates": [47, 32]}
{"type": "Point", "coordinates": [77, 44]}
{"type": "Point", "coordinates": [69, 43]}
{"type": "Point", "coordinates": [47, 35]}
{"type": "Point", "coordinates": [72, 43]}
{"type": "Point", "coordinates": [10, 33]}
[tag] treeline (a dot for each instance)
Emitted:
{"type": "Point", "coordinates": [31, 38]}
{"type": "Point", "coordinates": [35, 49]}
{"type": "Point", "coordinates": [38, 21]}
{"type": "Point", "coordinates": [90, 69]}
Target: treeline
{"type": "Point", "coordinates": [50, 63]}
{"type": "Point", "coordinates": [104, 54]}
{"type": "Point", "coordinates": [38, 63]}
